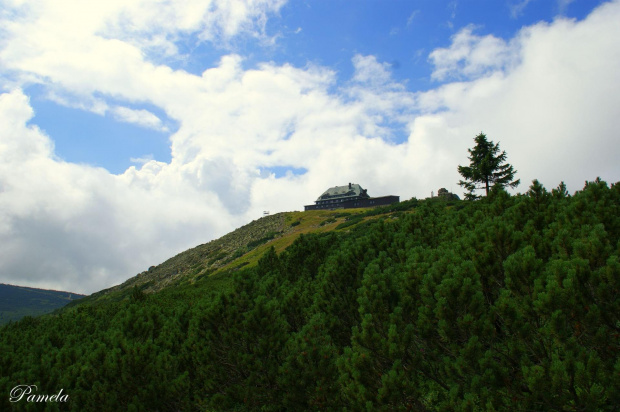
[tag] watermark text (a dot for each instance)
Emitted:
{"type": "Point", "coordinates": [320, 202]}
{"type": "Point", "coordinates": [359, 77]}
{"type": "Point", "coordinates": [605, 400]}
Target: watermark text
{"type": "Point", "coordinates": [28, 393]}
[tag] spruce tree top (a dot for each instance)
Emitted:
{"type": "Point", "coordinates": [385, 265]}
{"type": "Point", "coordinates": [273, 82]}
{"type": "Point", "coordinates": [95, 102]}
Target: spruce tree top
{"type": "Point", "coordinates": [486, 168]}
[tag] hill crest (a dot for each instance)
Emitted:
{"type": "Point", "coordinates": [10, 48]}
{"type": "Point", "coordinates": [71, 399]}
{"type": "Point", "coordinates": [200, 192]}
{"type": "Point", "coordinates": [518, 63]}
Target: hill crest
{"type": "Point", "coordinates": [241, 247]}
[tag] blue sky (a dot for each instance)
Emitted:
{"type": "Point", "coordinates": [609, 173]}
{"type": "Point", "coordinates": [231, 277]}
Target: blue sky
{"type": "Point", "coordinates": [133, 130]}
{"type": "Point", "coordinates": [325, 33]}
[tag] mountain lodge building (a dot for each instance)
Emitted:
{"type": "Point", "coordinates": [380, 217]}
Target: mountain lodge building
{"type": "Point", "coordinates": [348, 197]}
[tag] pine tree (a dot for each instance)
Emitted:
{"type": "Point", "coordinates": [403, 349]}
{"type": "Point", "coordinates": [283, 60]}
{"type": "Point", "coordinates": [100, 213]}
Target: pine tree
{"type": "Point", "coordinates": [487, 168]}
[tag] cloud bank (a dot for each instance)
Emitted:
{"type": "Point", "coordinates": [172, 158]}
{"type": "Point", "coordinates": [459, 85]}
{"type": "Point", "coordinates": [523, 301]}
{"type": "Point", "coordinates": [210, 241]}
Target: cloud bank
{"type": "Point", "coordinates": [550, 95]}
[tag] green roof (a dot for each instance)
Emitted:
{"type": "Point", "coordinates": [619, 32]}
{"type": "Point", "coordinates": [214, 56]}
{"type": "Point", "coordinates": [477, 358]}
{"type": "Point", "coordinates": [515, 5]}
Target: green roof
{"type": "Point", "coordinates": [350, 190]}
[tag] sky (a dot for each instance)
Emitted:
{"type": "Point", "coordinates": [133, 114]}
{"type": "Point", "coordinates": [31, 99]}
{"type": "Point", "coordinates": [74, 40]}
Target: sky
{"type": "Point", "coordinates": [133, 130]}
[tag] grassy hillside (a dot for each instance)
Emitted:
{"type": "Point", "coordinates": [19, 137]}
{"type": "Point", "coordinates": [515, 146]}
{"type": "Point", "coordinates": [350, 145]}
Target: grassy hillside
{"type": "Point", "coordinates": [18, 301]}
{"type": "Point", "coordinates": [242, 248]}
{"type": "Point", "coordinates": [507, 303]}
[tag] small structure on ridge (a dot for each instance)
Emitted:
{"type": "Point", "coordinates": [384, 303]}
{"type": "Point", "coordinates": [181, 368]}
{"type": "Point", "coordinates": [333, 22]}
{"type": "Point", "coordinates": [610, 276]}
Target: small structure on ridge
{"type": "Point", "coordinates": [444, 194]}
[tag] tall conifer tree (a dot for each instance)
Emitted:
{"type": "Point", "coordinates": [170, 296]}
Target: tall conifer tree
{"type": "Point", "coordinates": [487, 168]}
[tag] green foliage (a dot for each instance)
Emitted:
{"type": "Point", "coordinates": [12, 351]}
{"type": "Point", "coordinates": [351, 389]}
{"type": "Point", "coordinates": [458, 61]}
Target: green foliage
{"type": "Point", "coordinates": [342, 214]}
{"type": "Point", "coordinates": [217, 257]}
{"type": "Point", "coordinates": [486, 168]}
{"type": "Point", "coordinates": [350, 221]}
{"type": "Point", "coordinates": [137, 295]}
{"type": "Point", "coordinates": [510, 303]}
{"type": "Point", "coordinates": [269, 236]}
{"type": "Point", "coordinates": [328, 221]}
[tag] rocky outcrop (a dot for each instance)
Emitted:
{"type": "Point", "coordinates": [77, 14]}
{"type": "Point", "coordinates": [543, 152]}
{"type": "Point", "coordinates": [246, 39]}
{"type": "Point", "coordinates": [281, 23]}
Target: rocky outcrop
{"type": "Point", "coordinates": [444, 194]}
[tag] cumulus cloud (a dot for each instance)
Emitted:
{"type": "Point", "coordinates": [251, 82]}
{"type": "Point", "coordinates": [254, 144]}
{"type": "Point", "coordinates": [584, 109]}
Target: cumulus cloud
{"type": "Point", "coordinates": [142, 160]}
{"type": "Point", "coordinates": [87, 103]}
{"type": "Point", "coordinates": [470, 56]}
{"type": "Point", "coordinates": [553, 110]}
{"type": "Point", "coordinates": [549, 95]}
{"type": "Point", "coordinates": [59, 221]}
{"type": "Point", "coordinates": [141, 117]}
{"type": "Point", "coordinates": [85, 47]}
{"type": "Point", "coordinates": [369, 70]}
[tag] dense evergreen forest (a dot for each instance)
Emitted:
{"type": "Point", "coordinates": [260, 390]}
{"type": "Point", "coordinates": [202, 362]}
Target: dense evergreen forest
{"type": "Point", "coordinates": [504, 303]}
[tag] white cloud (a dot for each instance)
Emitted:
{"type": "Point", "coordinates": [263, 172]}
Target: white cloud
{"type": "Point", "coordinates": [452, 6]}
{"type": "Point", "coordinates": [84, 102]}
{"type": "Point", "coordinates": [516, 9]}
{"type": "Point", "coordinates": [142, 160]}
{"type": "Point", "coordinates": [550, 96]}
{"type": "Point", "coordinates": [80, 228]}
{"type": "Point", "coordinates": [470, 56]}
{"type": "Point", "coordinates": [369, 70]}
{"type": "Point", "coordinates": [412, 17]}
{"type": "Point", "coordinates": [70, 41]}
{"type": "Point", "coordinates": [141, 117]}
{"type": "Point", "coordinates": [563, 5]}
{"type": "Point", "coordinates": [553, 107]}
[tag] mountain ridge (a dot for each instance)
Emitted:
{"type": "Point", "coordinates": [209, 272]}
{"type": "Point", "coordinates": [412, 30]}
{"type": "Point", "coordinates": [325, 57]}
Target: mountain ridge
{"type": "Point", "coordinates": [506, 303]}
{"type": "Point", "coordinates": [241, 247]}
{"type": "Point", "coordinates": [18, 301]}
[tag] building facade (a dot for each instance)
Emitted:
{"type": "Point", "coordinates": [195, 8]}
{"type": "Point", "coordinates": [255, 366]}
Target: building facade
{"type": "Point", "coordinates": [348, 197]}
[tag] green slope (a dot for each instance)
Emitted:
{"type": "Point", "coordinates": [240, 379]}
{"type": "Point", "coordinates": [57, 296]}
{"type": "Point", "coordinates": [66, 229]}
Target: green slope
{"type": "Point", "coordinates": [19, 301]}
{"type": "Point", "coordinates": [242, 248]}
{"type": "Point", "coordinates": [507, 303]}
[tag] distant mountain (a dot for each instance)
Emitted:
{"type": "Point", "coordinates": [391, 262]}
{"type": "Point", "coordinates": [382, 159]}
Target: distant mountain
{"type": "Point", "coordinates": [19, 301]}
